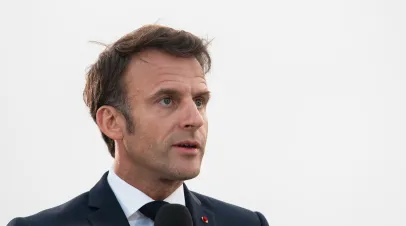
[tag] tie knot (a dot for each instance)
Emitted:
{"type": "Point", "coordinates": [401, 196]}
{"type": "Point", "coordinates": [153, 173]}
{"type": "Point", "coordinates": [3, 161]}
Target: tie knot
{"type": "Point", "coordinates": [151, 209]}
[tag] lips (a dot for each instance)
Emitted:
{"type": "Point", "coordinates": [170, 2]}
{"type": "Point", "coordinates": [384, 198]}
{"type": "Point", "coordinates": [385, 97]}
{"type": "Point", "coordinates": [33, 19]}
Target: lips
{"type": "Point", "coordinates": [188, 144]}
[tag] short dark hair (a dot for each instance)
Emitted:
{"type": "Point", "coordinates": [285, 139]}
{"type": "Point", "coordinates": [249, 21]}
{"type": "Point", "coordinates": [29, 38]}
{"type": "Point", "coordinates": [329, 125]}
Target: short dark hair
{"type": "Point", "coordinates": [104, 80]}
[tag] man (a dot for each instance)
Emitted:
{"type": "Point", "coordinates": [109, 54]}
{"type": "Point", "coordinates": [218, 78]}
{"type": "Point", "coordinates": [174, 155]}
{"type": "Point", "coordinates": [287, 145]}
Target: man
{"type": "Point", "coordinates": [148, 95]}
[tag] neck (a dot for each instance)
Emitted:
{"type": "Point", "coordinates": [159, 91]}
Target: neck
{"type": "Point", "coordinates": [152, 185]}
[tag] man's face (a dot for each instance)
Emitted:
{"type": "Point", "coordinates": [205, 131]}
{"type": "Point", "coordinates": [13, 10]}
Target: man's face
{"type": "Point", "coordinates": [168, 98]}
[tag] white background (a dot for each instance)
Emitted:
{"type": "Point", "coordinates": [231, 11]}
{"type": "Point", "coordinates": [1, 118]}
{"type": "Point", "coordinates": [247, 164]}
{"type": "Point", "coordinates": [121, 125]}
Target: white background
{"type": "Point", "coordinates": [307, 120]}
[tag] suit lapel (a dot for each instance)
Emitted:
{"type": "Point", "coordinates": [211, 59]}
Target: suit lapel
{"type": "Point", "coordinates": [107, 210]}
{"type": "Point", "coordinates": [201, 215]}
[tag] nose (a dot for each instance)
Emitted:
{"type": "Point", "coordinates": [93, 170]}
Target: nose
{"type": "Point", "coordinates": [192, 117]}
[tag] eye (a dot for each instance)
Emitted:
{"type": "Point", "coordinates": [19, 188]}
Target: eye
{"type": "Point", "coordinates": [166, 101]}
{"type": "Point", "coordinates": [199, 103]}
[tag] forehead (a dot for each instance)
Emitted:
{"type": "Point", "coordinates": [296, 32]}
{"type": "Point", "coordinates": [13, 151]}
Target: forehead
{"type": "Point", "coordinates": [152, 68]}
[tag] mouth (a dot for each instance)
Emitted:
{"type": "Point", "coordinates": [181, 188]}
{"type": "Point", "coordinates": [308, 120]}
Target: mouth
{"type": "Point", "coordinates": [188, 145]}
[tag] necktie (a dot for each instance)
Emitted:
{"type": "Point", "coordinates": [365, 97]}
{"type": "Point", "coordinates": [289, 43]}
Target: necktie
{"type": "Point", "coordinates": [151, 209]}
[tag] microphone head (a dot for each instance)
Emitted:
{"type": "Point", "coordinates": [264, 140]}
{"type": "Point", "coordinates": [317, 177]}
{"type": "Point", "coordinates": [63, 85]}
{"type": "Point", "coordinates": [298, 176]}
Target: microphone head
{"type": "Point", "coordinates": [173, 215]}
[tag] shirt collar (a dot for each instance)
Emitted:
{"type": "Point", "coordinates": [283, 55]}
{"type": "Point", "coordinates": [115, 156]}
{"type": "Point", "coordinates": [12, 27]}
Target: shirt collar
{"type": "Point", "coordinates": [131, 199]}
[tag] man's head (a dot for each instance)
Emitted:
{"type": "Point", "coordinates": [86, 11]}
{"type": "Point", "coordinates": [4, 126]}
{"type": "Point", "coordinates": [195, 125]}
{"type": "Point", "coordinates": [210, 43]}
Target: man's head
{"type": "Point", "coordinates": [148, 94]}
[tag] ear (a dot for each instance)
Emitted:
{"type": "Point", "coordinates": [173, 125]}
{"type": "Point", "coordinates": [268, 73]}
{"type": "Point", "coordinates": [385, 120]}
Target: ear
{"type": "Point", "coordinates": [110, 122]}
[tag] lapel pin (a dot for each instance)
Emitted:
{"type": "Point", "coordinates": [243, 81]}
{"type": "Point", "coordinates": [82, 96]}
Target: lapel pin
{"type": "Point", "coordinates": [205, 220]}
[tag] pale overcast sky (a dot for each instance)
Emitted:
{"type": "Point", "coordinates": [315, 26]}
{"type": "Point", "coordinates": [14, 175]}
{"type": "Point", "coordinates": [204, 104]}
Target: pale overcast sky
{"type": "Point", "coordinates": [307, 120]}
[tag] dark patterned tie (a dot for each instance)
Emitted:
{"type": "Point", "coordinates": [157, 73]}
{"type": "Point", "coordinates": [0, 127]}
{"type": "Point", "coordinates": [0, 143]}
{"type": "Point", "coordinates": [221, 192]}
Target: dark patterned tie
{"type": "Point", "coordinates": [151, 209]}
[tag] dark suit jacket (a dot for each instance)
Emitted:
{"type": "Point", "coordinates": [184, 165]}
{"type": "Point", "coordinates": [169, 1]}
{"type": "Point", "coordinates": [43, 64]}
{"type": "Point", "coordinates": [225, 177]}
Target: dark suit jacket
{"type": "Point", "coordinates": [99, 207]}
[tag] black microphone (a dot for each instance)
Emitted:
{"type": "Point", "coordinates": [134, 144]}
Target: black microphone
{"type": "Point", "coordinates": [173, 215]}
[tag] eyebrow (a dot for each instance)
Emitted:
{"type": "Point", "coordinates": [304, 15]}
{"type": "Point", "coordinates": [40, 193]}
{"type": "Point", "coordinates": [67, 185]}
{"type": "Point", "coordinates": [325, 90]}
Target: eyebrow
{"type": "Point", "coordinates": [174, 92]}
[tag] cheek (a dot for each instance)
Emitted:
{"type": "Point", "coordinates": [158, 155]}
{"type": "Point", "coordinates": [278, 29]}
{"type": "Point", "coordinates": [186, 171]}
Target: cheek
{"type": "Point", "coordinates": [203, 131]}
{"type": "Point", "coordinates": [206, 123]}
{"type": "Point", "coordinates": [152, 132]}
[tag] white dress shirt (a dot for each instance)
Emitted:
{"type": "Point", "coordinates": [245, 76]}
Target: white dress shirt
{"type": "Point", "coordinates": [131, 199]}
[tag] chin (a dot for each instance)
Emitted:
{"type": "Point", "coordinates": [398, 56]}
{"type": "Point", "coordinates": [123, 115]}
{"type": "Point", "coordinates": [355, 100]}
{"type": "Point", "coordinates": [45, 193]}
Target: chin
{"type": "Point", "coordinates": [190, 176]}
{"type": "Point", "coordinates": [182, 175]}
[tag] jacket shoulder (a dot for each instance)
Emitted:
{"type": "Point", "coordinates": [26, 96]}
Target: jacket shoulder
{"type": "Point", "coordinates": [72, 210]}
{"type": "Point", "coordinates": [230, 214]}
{"type": "Point", "coordinates": [18, 221]}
